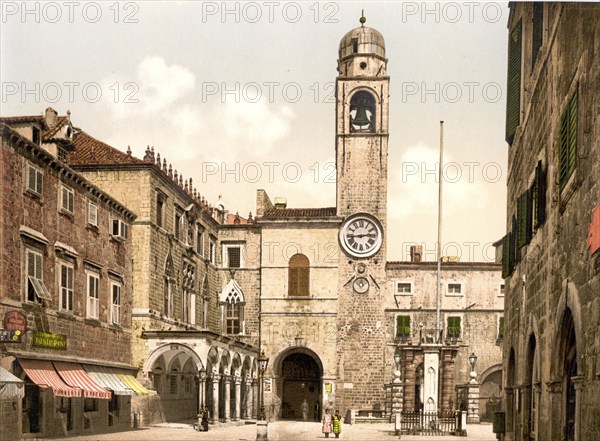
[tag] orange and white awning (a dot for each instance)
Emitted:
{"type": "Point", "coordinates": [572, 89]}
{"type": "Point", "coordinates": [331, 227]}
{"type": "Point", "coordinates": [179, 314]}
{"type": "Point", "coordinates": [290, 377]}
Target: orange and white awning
{"type": "Point", "coordinates": [73, 374]}
{"type": "Point", "coordinates": [42, 373]}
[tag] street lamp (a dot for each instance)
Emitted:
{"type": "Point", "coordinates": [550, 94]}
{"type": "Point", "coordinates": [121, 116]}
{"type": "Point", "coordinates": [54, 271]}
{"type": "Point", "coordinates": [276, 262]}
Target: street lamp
{"type": "Point", "coordinates": [263, 362]}
{"type": "Point", "coordinates": [473, 361]}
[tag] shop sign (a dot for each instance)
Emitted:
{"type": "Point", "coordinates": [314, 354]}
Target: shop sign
{"type": "Point", "coordinates": [15, 320]}
{"type": "Point", "coordinates": [10, 336]}
{"type": "Point", "coordinates": [51, 341]}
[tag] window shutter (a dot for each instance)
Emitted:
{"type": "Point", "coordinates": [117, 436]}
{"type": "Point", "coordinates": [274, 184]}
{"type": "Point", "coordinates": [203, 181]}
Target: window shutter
{"type": "Point", "coordinates": [506, 270]}
{"type": "Point", "coordinates": [293, 282]}
{"type": "Point", "coordinates": [30, 264]}
{"type": "Point", "coordinates": [522, 220]}
{"type": "Point", "coordinates": [512, 249]}
{"type": "Point", "coordinates": [528, 216]}
{"type": "Point", "coordinates": [38, 266]}
{"type": "Point", "coordinates": [501, 327]}
{"type": "Point", "coordinates": [540, 177]}
{"type": "Point", "coordinates": [303, 282]}
{"type": "Point", "coordinates": [403, 325]}
{"type": "Point", "coordinates": [567, 150]}
{"type": "Point", "coordinates": [31, 184]}
{"type": "Point", "coordinates": [513, 96]}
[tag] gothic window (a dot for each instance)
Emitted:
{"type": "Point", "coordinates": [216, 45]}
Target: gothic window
{"type": "Point", "coordinates": [232, 303]}
{"type": "Point", "coordinates": [362, 112]}
{"type": "Point", "coordinates": [298, 276]}
{"type": "Point", "coordinates": [169, 281]}
{"type": "Point", "coordinates": [205, 297]}
{"type": "Point", "coordinates": [160, 208]}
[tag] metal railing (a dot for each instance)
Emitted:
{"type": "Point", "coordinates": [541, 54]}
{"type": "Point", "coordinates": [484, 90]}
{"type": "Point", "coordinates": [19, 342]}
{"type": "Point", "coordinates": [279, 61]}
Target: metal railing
{"type": "Point", "coordinates": [430, 423]}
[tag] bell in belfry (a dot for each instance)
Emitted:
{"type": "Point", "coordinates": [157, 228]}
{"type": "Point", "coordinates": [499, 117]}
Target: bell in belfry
{"type": "Point", "coordinates": [361, 119]}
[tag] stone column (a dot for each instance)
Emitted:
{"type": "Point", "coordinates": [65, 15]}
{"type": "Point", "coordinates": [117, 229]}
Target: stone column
{"type": "Point", "coordinates": [555, 399]}
{"type": "Point", "coordinates": [255, 398]}
{"type": "Point", "coordinates": [409, 369]}
{"type": "Point", "coordinates": [448, 366]}
{"type": "Point", "coordinates": [396, 394]}
{"type": "Point", "coordinates": [510, 412]}
{"type": "Point", "coordinates": [214, 415]}
{"type": "Point", "coordinates": [473, 400]}
{"type": "Point", "coordinates": [525, 392]}
{"type": "Point", "coordinates": [202, 388]}
{"type": "Point", "coordinates": [238, 397]}
{"type": "Point", "coordinates": [227, 386]}
{"type": "Point", "coordinates": [578, 384]}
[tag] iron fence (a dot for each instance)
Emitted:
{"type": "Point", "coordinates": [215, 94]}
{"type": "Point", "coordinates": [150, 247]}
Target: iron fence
{"type": "Point", "coordinates": [430, 423]}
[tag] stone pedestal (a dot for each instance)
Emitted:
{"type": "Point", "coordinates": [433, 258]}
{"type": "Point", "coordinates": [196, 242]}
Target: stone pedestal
{"type": "Point", "coordinates": [262, 430]}
{"type": "Point", "coordinates": [431, 364]}
{"type": "Point", "coordinates": [473, 401]}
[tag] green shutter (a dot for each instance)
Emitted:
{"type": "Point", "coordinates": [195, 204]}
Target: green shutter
{"type": "Point", "coordinates": [540, 196]}
{"type": "Point", "coordinates": [512, 249]}
{"type": "Point", "coordinates": [501, 327]}
{"type": "Point", "coordinates": [403, 325]}
{"type": "Point", "coordinates": [513, 88]}
{"type": "Point", "coordinates": [453, 326]}
{"type": "Point", "coordinates": [522, 203]}
{"type": "Point", "coordinates": [506, 270]}
{"type": "Point", "coordinates": [528, 216]}
{"type": "Point", "coordinates": [567, 149]}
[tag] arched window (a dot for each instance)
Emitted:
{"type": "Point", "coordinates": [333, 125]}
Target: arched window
{"type": "Point", "coordinates": [362, 112]}
{"type": "Point", "coordinates": [205, 292]}
{"type": "Point", "coordinates": [169, 281]}
{"type": "Point", "coordinates": [232, 303]}
{"type": "Point", "coordinates": [298, 276]}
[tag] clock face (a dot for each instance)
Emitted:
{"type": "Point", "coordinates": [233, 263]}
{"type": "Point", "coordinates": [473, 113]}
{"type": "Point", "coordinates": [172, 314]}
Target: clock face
{"type": "Point", "coordinates": [361, 235]}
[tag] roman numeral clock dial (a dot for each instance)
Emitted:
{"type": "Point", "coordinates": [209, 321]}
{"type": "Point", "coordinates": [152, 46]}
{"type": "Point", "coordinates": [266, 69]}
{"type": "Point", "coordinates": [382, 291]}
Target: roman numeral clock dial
{"type": "Point", "coordinates": [361, 235]}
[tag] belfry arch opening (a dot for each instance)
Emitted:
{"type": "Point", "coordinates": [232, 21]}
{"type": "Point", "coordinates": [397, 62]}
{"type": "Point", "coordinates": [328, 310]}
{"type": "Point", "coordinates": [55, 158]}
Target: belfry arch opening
{"type": "Point", "coordinates": [301, 377]}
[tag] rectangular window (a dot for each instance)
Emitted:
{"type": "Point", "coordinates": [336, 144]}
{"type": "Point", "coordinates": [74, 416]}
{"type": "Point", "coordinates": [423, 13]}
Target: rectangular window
{"type": "Point", "coordinates": [232, 256]}
{"type": "Point", "coordinates": [36, 135]}
{"type": "Point", "coordinates": [538, 30]}
{"type": "Point", "coordinates": [36, 290]}
{"type": "Point", "coordinates": [502, 289]}
{"type": "Point", "coordinates": [35, 180]}
{"type": "Point", "coordinates": [200, 240]}
{"type": "Point", "coordinates": [567, 156]}
{"type": "Point", "coordinates": [404, 288]}
{"type": "Point", "coordinates": [66, 287]}
{"type": "Point", "coordinates": [92, 214]}
{"type": "Point", "coordinates": [93, 295]}
{"type": "Point", "coordinates": [119, 229]}
{"type": "Point", "coordinates": [116, 303]}
{"type": "Point", "coordinates": [67, 199]}
{"type": "Point", "coordinates": [232, 318]}
{"type": "Point", "coordinates": [500, 327]}
{"type": "Point", "coordinates": [454, 328]}
{"type": "Point", "coordinates": [160, 209]}
{"type": "Point", "coordinates": [403, 326]}
{"type": "Point", "coordinates": [178, 224]}
{"type": "Point", "coordinates": [173, 386]}
{"type": "Point", "coordinates": [90, 405]}
{"type": "Point", "coordinates": [212, 247]}
{"type": "Point", "coordinates": [454, 289]}
{"type": "Point", "coordinates": [513, 96]}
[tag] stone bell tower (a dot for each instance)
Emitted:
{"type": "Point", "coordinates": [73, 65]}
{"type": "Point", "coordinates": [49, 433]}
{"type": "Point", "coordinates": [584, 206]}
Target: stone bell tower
{"type": "Point", "coordinates": [361, 161]}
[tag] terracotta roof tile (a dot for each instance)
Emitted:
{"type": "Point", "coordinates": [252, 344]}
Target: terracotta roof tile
{"type": "Point", "coordinates": [287, 213]}
{"type": "Point", "coordinates": [90, 151]}
{"type": "Point", "coordinates": [231, 220]}
{"type": "Point", "coordinates": [21, 119]}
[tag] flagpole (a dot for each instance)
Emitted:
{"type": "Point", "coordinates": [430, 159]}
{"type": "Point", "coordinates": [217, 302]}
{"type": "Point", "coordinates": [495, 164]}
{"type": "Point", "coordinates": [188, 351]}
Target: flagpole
{"type": "Point", "coordinates": [439, 238]}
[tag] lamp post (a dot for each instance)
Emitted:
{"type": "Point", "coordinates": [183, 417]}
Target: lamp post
{"type": "Point", "coordinates": [473, 406]}
{"type": "Point", "coordinates": [261, 424]}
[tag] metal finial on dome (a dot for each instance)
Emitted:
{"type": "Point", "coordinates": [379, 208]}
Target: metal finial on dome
{"type": "Point", "coordinates": [362, 19]}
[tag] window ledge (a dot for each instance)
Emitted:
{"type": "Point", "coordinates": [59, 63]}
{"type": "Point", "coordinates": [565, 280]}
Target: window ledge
{"type": "Point", "coordinates": [66, 213]}
{"type": "Point", "coordinates": [33, 195]}
{"type": "Point", "coordinates": [92, 227]}
{"type": "Point", "coordinates": [569, 190]}
{"type": "Point", "coordinates": [92, 321]}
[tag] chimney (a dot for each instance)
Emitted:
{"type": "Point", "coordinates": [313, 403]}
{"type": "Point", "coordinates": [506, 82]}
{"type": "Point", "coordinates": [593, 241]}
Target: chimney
{"type": "Point", "coordinates": [416, 251]}
{"type": "Point", "coordinates": [51, 117]}
{"type": "Point", "coordinates": [280, 203]}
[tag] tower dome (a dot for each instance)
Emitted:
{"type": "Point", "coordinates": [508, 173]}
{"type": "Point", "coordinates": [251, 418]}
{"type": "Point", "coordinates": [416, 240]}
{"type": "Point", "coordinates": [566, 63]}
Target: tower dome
{"type": "Point", "coordinates": [362, 52]}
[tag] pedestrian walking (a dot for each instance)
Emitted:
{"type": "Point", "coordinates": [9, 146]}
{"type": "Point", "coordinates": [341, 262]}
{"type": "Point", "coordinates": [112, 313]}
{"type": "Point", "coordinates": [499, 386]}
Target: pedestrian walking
{"type": "Point", "coordinates": [204, 422]}
{"type": "Point", "coordinates": [337, 424]}
{"type": "Point", "coordinates": [317, 417]}
{"type": "Point", "coordinates": [327, 423]}
{"type": "Point", "coordinates": [304, 407]}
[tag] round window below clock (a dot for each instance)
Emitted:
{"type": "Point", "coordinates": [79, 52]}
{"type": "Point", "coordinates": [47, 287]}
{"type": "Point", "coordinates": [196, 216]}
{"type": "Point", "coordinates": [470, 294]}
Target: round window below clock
{"type": "Point", "coordinates": [363, 65]}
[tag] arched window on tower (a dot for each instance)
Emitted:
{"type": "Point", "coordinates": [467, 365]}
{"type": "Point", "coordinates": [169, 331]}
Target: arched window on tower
{"type": "Point", "coordinates": [169, 282]}
{"type": "Point", "coordinates": [298, 276]}
{"type": "Point", "coordinates": [362, 112]}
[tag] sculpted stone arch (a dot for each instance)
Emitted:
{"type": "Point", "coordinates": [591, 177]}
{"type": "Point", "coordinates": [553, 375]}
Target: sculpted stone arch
{"type": "Point", "coordinates": [170, 351]}
{"type": "Point", "coordinates": [568, 301]}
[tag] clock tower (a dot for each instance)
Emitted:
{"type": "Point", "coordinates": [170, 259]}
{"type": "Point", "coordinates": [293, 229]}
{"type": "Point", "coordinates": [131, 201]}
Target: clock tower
{"type": "Point", "coordinates": [361, 161]}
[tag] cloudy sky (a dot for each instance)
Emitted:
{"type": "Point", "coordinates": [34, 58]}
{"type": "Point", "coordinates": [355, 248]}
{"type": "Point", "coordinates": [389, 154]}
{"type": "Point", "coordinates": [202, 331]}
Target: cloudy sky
{"type": "Point", "coordinates": [239, 96]}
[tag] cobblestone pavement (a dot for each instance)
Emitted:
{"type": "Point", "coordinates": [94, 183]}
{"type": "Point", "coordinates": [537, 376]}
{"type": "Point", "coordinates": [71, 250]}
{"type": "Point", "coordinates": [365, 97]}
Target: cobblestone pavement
{"type": "Point", "coordinates": [280, 431]}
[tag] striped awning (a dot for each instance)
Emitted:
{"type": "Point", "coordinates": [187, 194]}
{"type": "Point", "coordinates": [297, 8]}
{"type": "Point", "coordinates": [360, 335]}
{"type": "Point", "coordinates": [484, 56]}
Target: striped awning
{"type": "Point", "coordinates": [73, 374]}
{"type": "Point", "coordinates": [10, 386]}
{"type": "Point", "coordinates": [108, 377]}
{"type": "Point", "coordinates": [132, 383]}
{"type": "Point", "coordinates": [42, 373]}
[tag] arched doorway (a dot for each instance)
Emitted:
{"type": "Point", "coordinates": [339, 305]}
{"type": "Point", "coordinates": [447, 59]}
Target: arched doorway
{"type": "Point", "coordinates": [301, 375]}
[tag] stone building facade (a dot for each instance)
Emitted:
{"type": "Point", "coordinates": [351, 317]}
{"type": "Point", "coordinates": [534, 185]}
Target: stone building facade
{"type": "Point", "coordinates": [551, 251]}
{"type": "Point", "coordinates": [195, 303]}
{"type": "Point", "coordinates": [471, 322]}
{"type": "Point", "coordinates": [65, 284]}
